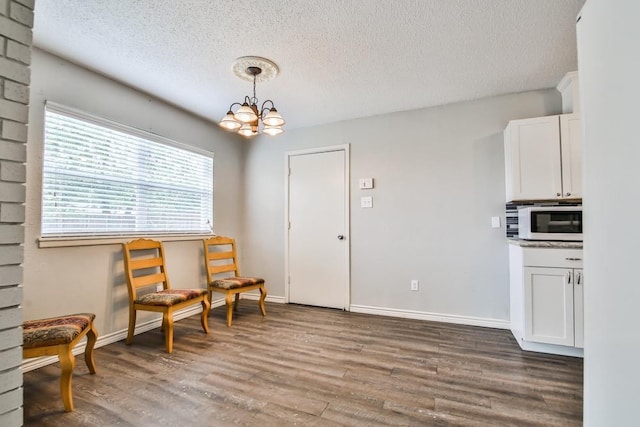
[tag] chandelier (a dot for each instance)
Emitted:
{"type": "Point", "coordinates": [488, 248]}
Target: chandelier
{"type": "Point", "coordinates": [248, 120]}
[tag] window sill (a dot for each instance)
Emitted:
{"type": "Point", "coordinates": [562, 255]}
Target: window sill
{"type": "Point", "coordinates": [60, 242]}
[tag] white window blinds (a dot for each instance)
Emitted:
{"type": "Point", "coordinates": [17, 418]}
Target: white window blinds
{"type": "Point", "coordinates": [105, 179]}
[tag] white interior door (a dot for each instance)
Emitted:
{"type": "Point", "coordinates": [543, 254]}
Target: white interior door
{"type": "Point", "coordinates": [318, 245]}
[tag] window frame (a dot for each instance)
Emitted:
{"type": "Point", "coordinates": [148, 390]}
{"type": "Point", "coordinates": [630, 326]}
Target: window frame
{"type": "Point", "coordinates": [115, 238]}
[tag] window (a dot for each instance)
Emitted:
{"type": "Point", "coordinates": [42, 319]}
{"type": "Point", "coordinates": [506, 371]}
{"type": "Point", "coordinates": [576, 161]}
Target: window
{"type": "Point", "coordinates": [105, 179]}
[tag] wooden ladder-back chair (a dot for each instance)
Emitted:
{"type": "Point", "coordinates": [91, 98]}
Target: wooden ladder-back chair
{"type": "Point", "coordinates": [144, 264]}
{"type": "Point", "coordinates": [223, 275]}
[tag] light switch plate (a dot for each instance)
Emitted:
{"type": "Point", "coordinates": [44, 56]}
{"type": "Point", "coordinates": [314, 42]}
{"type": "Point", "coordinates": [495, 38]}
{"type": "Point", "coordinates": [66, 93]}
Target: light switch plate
{"type": "Point", "coordinates": [366, 183]}
{"type": "Point", "coordinates": [495, 222]}
{"type": "Point", "coordinates": [366, 202]}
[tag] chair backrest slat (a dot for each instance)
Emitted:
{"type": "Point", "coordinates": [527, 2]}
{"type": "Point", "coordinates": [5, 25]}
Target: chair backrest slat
{"type": "Point", "coordinates": [149, 279]}
{"type": "Point", "coordinates": [216, 250]}
{"type": "Point", "coordinates": [227, 268]}
{"type": "Point", "coordinates": [138, 264]}
{"type": "Point", "coordinates": [219, 255]}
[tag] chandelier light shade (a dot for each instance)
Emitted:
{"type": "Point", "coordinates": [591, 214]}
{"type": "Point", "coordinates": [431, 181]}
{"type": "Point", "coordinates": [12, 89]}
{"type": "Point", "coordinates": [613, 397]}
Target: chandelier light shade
{"type": "Point", "coordinates": [249, 120]}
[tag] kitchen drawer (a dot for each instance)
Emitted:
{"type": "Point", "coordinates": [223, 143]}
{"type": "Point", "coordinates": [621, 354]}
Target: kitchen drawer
{"type": "Point", "coordinates": [551, 257]}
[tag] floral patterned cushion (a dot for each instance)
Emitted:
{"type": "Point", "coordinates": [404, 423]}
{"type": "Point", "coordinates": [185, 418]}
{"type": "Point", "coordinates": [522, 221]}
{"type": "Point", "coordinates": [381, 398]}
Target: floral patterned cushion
{"type": "Point", "coordinates": [236, 282]}
{"type": "Point", "coordinates": [169, 297]}
{"type": "Point", "coordinates": [54, 330]}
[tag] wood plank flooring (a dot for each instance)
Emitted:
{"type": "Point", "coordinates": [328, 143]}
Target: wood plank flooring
{"type": "Point", "coordinates": [317, 367]}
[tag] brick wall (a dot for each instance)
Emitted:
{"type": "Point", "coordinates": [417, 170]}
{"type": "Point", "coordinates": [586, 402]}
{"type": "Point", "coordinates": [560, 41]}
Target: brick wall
{"type": "Point", "coordinates": [16, 22]}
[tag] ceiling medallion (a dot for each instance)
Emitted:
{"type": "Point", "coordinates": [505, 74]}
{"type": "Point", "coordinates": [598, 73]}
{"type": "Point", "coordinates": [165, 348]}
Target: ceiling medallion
{"type": "Point", "coordinates": [269, 69]}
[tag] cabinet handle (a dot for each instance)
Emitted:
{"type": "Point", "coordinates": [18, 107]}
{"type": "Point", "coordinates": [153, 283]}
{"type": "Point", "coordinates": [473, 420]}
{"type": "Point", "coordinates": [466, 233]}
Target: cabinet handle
{"type": "Point", "coordinates": [568, 278]}
{"type": "Point", "coordinates": [578, 278]}
{"type": "Point", "coordinates": [573, 259]}
{"type": "Point", "coordinates": [558, 194]}
{"type": "Point", "coordinates": [568, 194]}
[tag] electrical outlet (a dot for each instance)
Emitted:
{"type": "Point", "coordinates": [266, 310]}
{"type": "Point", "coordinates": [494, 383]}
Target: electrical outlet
{"type": "Point", "coordinates": [415, 285]}
{"type": "Point", "coordinates": [158, 287]}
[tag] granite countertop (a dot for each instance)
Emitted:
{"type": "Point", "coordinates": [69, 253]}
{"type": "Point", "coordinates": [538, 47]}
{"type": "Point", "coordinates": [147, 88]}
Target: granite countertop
{"type": "Point", "coordinates": [545, 244]}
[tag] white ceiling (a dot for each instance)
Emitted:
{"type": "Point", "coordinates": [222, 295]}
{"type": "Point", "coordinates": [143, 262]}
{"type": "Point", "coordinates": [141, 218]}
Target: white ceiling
{"type": "Point", "coordinates": [338, 59]}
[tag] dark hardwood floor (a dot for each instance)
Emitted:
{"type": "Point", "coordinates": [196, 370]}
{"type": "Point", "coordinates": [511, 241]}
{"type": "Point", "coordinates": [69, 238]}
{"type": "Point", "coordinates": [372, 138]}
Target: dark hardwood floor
{"type": "Point", "coordinates": [313, 366]}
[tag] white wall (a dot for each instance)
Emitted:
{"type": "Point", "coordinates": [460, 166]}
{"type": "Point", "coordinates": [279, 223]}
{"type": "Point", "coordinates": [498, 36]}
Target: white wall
{"type": "Point", "coordinates": [91, 278]}
{"type": "Point", "coordinates": [609, 67]}
{"type": "Point", "coordinates": [439, 177]}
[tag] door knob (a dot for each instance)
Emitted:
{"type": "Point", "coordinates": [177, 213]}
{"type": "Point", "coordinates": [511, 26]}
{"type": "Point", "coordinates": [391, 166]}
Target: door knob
{"type": "Point", "coordinates": [340, 237]}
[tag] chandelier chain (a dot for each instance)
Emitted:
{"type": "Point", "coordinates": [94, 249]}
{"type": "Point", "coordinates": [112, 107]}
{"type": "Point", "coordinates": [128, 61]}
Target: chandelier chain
{"type": "Point", "coordinates": [255, 99]}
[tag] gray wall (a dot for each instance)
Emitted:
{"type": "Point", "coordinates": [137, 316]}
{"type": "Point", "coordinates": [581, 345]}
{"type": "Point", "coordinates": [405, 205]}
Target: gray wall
{"type": "Point", "coordinates": [90, 278]}
{"type": "Point", "coordinates": [609, 65]}
{"type": "Point", "coordinates": [16, 21]}
{"type": "Point", "coordinates": [439, 178]}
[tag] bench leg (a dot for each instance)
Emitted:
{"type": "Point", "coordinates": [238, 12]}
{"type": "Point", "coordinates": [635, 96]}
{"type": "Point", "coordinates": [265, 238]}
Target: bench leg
{"type": "Point", "coordinates": [67, 363]}
{"type": "Point", "coordinates": [92, 337]}
{"type": "Point", "coordinates": [206, 307]}
{"type": "Point", "coordinates": [263, 295]}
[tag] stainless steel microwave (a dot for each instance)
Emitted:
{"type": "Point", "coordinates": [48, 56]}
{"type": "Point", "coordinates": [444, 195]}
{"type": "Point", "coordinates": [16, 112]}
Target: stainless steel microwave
{"type": "Point", "coordinates": [550, 223]}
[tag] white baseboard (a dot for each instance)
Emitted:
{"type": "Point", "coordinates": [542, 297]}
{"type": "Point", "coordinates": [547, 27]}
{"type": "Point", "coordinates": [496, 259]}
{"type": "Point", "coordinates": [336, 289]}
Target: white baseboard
{"type": "Point", "coordinates": [39, 362]}
{"type": "Point", "coordinates": [435, 317]}
{"type": "Point", "coordinates": [252, 296]}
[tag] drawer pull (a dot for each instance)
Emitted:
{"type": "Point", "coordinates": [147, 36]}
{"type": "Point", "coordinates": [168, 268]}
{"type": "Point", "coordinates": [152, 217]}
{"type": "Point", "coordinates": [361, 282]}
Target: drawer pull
{"type": "Point", "coordinates": [573, 259]}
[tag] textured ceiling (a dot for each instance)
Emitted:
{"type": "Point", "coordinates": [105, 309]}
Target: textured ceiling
{"type": "Point", "coordinates": [338, 59]}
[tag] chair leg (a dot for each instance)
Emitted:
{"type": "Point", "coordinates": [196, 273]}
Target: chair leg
{"type": "Point", "coordinates": [229, 303]}
{"type": "Point", "coordinates": [164, 322]}
{"type": "Point", "coordinates": [92, 337]}
{"type": "Point", "coordinates": [132, 325]}
{"type": "Point", "coordinates": [67, 363]}
{"type": "Point", "coordinates": [206, 307]}
{"type": "Point", "coordinates": [168, 332]}
{"type": "Point", "coordinates": [263, 295]}
{"type": "Point", "coordinates": [235, 303]}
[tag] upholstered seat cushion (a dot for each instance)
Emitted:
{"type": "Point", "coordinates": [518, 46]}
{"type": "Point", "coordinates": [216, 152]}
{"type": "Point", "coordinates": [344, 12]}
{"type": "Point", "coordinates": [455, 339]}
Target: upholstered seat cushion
{"type": "Point", "coordinates": [169, 297]}
{"type": "Point", "coordinates": [54, 330]}
{"type": "Point", "coordinates": [236, 282]}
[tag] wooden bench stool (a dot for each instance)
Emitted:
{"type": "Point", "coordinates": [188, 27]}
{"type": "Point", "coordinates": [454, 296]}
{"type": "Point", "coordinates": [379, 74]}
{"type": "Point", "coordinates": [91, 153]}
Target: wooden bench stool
{"type": "Point", "coordinates": [57, 336]}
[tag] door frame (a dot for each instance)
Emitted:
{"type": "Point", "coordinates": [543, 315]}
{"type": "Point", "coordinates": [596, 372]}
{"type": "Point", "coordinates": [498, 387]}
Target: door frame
{"type": "Point", "coordinates": [347, 214]}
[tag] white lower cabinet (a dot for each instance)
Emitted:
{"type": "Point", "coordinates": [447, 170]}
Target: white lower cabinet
{"type": "Point", "coordinates": [578, 308]}
{"type": "Point", "coordinates": [547, 299]}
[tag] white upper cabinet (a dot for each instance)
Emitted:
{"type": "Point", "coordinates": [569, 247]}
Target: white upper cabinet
{"type": "Point", "coordinates": [543, 158]}
{"type": "Point", "coordinates": [571, 144]}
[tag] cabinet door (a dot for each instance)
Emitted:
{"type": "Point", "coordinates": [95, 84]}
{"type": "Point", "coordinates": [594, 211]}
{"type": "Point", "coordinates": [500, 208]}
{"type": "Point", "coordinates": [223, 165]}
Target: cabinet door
{"type": "Point", "coordinates": [578, 307]}
{"type": "Point", "coordinates": [571, 143]}
{"type": "Point", "coordinates": [532, 159]}
{"type": "Point", "coordinates": [549, 305]}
